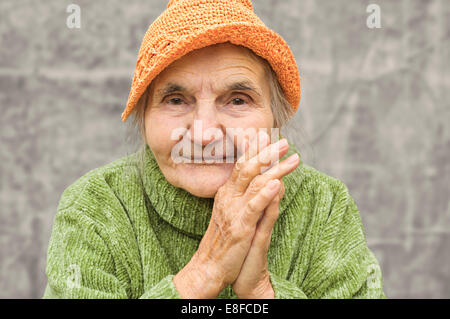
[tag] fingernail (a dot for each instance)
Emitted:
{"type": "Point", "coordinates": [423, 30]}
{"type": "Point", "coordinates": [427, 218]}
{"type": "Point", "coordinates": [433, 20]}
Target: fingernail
{"type": "Point", "coordinates": [283, 143]}
{"type": "Point", "coordinates": [292, 159]}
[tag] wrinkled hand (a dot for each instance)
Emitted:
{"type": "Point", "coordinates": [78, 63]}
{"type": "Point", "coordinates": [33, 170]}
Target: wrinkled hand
{"type": "Point", "coordinates": [234, 247]}
{"type": "Point", "coordinates": [253, 281]}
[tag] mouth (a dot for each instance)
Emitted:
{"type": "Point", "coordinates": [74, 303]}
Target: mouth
{"type": "Point", "coordinates": [208, 160]}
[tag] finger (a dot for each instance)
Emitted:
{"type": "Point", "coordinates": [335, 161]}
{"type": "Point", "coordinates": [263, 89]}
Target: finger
{"type": "Point", "coordinates": [251, 145]}
{"type": "Point", "coordinates": [283, 168]}
{"type": "Point", "coordinates": [241, 160]}
{"type": "Point", "coordinates": [282, 190]}
{"type": "Point", "coordinates": [264, 228]}
{"type": "Point", "coordinates": [267, 156]}
{"type": "Point", "coordinates": [255, 207]}
{"type": "Point", "coordinates": [277, 172]}
{"type": "Point", "coordinates": [260, 142]}
{"type": "Point", "coordinates": [247, 170]}
{"type": "Point", "coordinates": [267, 220]}
{"type": "Point", "coordinates": [266, 167]}
{"type": "Point", "coordinates": [264, 231]}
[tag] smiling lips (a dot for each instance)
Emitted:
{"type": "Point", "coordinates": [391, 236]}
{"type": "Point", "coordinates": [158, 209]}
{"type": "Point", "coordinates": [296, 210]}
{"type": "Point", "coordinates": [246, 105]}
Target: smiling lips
{"type": "Point", "coordinates": [210, 160]}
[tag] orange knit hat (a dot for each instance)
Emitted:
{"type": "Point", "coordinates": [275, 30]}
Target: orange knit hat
{"type": "Point", "coordinates": [187, 25]}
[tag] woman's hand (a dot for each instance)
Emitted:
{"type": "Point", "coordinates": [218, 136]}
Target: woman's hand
{"type": "Point", "coordinates": [253, 281]}
{"type": "Point", "coordinates": [238, 207]}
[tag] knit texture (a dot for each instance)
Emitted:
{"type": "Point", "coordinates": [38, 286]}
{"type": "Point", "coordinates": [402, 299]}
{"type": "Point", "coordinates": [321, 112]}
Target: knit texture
{"type": "Point", "coordinates": [117, 235]}
{"type": "Point", "coordinates": [187, 25]}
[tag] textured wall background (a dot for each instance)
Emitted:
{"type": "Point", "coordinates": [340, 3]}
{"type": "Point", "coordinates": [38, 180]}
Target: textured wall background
{"type": "Point", "coordinates": [374, 113]}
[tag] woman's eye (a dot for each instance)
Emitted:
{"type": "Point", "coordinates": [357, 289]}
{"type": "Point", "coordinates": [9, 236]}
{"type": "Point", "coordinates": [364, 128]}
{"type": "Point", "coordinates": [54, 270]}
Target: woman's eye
{"type": "Point", "coordinates": [238, 101]}
{"type": "Point", "coordinates": [175, 101]}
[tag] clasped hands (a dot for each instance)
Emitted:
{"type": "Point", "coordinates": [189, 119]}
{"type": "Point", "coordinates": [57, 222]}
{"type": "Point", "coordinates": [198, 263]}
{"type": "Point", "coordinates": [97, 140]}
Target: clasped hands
{"type": "Point", "coordinates": [233, 250]}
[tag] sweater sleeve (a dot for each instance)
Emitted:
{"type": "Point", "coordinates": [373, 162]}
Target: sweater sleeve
{"type": "Point", "coordinates": [80, 264]}
{"type": "Point", "coordinates": [341, 266]}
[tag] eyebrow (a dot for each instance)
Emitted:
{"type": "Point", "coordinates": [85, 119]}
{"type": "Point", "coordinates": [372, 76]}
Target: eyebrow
{"type": "Point", "coordinates": [244, 85]}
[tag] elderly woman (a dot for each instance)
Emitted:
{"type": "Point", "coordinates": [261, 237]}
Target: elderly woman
{"type": "Point", "coordinates": [214, 204]}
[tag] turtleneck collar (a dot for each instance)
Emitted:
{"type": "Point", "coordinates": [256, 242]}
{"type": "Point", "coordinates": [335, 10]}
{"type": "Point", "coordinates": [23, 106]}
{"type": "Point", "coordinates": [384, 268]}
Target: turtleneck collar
{"type": "Point", "coordinates": [189, 213]}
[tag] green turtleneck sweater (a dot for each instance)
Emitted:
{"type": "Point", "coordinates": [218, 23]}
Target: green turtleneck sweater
{"type": "Point", "coordinates": [121, 234]}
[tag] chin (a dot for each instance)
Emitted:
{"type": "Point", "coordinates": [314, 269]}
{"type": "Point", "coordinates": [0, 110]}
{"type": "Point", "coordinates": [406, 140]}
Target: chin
{"type": "Point", "coordinates": [204, 180]}
{"type": "Point", "coordinates": [205, 193]}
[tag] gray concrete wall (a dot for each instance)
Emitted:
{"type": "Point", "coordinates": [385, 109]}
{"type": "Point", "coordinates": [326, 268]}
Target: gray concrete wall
{"type": "Point", "coordinates": [374, 113]}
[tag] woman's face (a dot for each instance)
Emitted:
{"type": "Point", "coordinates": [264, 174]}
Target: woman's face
{"type": "Point", "coordinates": [216, 87]}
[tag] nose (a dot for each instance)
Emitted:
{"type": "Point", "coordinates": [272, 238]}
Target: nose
{"type": "Point", "coordinates": [205, 127]}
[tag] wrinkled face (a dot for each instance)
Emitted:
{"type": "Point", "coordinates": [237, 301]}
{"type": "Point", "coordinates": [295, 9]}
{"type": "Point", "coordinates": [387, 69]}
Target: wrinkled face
{"type": "Point", "coordinates": [192, 106]}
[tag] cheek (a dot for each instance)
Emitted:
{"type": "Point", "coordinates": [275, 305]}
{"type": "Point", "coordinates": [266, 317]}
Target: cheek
{"type": "Point", "coordinates": [261, 119]}
{"type": "Point", "coordinates": [250, 124]}
{"type": "Point", "coordinates": [158, 131]}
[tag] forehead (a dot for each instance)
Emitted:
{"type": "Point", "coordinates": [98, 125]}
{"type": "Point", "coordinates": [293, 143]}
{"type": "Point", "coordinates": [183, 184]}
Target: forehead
{"type": "Point", "coordinates": [220, 62]}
